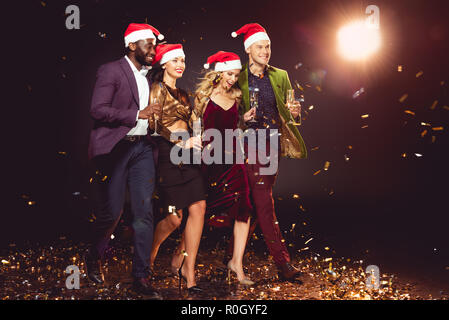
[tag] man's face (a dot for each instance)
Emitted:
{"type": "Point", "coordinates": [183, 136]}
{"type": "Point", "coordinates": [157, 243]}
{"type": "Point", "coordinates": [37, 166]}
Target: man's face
{"type": "Point", "coordinates": [260, 52]}
{"type": "Point", "coordinates": [145, 51]}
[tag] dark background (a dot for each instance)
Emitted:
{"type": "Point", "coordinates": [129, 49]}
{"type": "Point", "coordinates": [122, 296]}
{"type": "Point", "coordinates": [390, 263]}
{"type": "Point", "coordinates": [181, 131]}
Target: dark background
{"type": "Point", "coordinates": [385, 208]}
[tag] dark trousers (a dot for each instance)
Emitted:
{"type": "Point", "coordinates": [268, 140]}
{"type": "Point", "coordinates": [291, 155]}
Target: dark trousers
{"type": "Point", "coordinates": [261, 187]}
{"type": "Point", "coordinates": [132, 164]}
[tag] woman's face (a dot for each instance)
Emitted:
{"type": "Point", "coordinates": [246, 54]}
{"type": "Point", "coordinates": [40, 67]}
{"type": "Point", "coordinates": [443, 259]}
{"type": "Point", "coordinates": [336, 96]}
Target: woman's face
{"type": "Point", "coordinates": [175, 67]}
{"type": "Point", "coordinates": [229, 78]}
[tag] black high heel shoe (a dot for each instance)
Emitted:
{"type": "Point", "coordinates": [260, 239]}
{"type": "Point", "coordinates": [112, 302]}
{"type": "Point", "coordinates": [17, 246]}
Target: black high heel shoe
{"type": "Point", "coordinates": [195, 290]}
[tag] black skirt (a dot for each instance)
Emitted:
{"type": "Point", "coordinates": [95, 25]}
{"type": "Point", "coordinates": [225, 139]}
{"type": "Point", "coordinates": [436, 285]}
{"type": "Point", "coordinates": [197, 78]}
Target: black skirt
{"type": "Point", "coordinates": [179, 185]}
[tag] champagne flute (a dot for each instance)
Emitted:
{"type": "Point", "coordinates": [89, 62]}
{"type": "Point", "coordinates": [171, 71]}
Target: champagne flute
{"type": "Point", "coordinates": [290, 102]}
{"type": "Point", "coordinates": [254, 101]}
{"type": "Point", "coordinates": [155, 134]}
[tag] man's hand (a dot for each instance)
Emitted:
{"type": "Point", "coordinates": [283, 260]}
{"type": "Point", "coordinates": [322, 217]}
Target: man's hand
{"type": "Point", "coordinates": [295, 109]}
{"type": "Point", "coordinates": [146, 113]}
{"type": "Point", "coordinates": [250, 114]}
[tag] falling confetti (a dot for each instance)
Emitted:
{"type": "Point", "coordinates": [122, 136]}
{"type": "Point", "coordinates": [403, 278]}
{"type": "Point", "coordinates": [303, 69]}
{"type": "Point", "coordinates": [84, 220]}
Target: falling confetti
{"type": "Point", "coordinates": [434, 104]}
{"type": "Point", "coordinates": [419, 74]}
{"type": "Point", "coordinates": [403, 97]}
{"type": "Point", "coordinates": [358, 93]}
{"type": "Point", "coordinates": [399, 68]}
{"type": "Point", "coordinates": [298, 65]}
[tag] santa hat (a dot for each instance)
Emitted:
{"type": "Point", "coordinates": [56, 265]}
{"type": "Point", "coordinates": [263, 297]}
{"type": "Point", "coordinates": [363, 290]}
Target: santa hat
{"type": "Point", "coordinates": [166, 52]}
{"type": "Point", "coordinates": [224, 61]}
{"type": "Point", "coordinates": [141, 31]}
{"type": "Point", "coordinates": [253, 32]}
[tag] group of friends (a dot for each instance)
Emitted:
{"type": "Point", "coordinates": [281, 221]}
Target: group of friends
{"type": "Point", "coordinates": [138, 110]}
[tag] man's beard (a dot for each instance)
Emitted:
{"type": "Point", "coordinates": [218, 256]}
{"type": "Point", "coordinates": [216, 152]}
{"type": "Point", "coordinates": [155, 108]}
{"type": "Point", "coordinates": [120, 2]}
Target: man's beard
{"type": "Point", "coordinates": [142, 61]}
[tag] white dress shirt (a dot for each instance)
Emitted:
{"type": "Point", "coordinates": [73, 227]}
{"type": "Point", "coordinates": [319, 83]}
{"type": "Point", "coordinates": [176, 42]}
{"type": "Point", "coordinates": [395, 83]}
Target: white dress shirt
{"type": "Point", "coordinates": [143, 88]}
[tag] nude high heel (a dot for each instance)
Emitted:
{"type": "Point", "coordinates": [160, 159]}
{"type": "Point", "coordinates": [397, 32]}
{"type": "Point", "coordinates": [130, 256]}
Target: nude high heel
{"type": "Point", "coordinates": [245, 281]}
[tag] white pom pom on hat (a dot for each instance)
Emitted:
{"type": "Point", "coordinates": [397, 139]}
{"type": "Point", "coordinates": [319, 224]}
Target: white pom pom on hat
{"type": "Point", "coordinates": [206, 66]}
{"type": "Point", "coordinates": [160, 37]}
{"type": "Point", "coordinates": [234, 34]}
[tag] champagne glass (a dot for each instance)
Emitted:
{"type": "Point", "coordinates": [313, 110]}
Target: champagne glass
{"type": "Point", "coordinates": [254, 101]}
{"type": "Point", "coordinates": [155, 134]}
{"type": "Point", "coordinates": [290, 102]}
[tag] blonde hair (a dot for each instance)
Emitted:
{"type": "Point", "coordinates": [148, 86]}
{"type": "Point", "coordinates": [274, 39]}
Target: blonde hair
{"type": "Point", "coordinates": [204, 90]}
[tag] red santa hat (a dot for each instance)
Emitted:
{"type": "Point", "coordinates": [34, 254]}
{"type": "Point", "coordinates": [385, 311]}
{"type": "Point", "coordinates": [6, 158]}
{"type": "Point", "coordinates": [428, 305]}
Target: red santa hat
{"type": "Point", "coordinates": [141, 31]}
{"type": "Point", "coordinates": [166, 52]}
{"type": "Point", "coordinates": [253, 32]}
{"type": "Point", "coordinates": [224, 61]}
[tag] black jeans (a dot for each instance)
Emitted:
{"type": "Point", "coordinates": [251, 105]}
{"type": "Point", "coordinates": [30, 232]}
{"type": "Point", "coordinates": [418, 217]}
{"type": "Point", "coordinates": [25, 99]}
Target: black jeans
{"type": "Point", "coordinates": [132, 164]}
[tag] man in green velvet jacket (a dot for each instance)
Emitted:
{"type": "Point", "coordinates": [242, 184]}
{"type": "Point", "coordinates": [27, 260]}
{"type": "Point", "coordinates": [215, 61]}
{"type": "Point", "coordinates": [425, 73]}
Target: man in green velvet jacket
{"type": "Point", "coordinates": [271, 113]}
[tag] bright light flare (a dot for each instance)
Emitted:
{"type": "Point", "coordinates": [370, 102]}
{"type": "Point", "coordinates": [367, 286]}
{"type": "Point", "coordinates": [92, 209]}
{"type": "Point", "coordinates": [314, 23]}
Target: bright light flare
{"type": "Point", "coordinates": [358, 40]}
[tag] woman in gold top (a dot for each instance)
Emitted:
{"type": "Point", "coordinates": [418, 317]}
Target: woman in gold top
{"type": "Point", "coordinates": [181, 185]}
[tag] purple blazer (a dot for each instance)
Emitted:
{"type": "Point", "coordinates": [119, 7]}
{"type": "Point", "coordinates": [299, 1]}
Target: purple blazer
{"type": "Point", "coordinates": [114, 107]}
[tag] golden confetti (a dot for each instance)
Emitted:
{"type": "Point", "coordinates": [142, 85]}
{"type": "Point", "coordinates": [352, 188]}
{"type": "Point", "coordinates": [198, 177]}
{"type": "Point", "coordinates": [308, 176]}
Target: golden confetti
{"type": "Point", "coordinates": [350, 147]}
{"type": "Point", "coordinates": [402, 99]}
{"type": "Point", "coordinates": [425, 124]}
{"type": "Point", "coordinates": [326, 165]}
{"type": "Point", "coordinates": [419, 74]}
{"type": "Point", "coordinates": [317, 172]}
{"type": "Point", "coordinates": [318, 88]}
{"type": "Point", "coordinates": [295, 196]}
{"type": "Point", "coordinates": [365, 116]}
{"type": "Point", "coordinates": [365, 126]}
{"type": "Point", "coordinates": [104, 178]}
{"type": "Point", "coordinates": [315, 148]}
{"type": "Point", "coordinates": [433, 139]}
{"type": "Point", "coordinates": [409, 112]}
{"type": "Point", "coordinates": [434, 104]}
{"type": "Point", "coordinates": [311, 107]}
{"type": "Point", "coordinates": [399, 68]}
{"type": "Point", "coordinates": [30, 203]}
{"type": "Point", "coordinates": [423, 133]}
{"type": "Point", "coordinates": [404, 155]}
{"type": "Point", "coordinates": [437, 128]}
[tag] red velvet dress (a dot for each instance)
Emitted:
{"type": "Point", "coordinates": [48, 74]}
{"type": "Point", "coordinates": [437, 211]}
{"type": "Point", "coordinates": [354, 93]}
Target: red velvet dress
{"type": "Point", "coordinates": [227, 184]}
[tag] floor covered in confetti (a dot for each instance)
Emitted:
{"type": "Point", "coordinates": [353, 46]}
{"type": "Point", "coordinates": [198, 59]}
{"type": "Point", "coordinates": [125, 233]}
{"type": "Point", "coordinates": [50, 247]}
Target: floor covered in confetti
{"type": "Point", "coordinates": [38, 273]}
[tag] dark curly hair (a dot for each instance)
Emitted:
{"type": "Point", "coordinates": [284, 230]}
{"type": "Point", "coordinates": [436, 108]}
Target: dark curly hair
{"type": "Point", "coordinates": [156, 74]}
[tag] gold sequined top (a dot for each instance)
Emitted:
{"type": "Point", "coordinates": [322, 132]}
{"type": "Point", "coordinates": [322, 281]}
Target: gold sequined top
{"type": "Point", "coordinates": [177, 113]}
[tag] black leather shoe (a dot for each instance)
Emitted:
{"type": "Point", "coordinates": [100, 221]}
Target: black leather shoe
{"type": "Point", "coordinates": [288, 272]}
{"type": "Point", "coordinates": [93, 268]}
{"type": "Point", "coordinates": [143, 286]}
{"type": "Point", "coordinates": [195, 292]}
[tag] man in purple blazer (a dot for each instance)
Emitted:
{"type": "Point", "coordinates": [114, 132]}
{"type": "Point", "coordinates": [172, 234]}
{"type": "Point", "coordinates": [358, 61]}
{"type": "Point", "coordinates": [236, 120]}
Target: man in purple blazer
{"type": "Point", "coordinates": [122, 153]}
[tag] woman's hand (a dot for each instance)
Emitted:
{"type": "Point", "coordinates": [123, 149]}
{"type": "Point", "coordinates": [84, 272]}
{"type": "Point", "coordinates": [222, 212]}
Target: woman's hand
{"type": "Point", "coordinates": [250, 114]}
{"type": "Point", "coordinates": [193, 142]}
